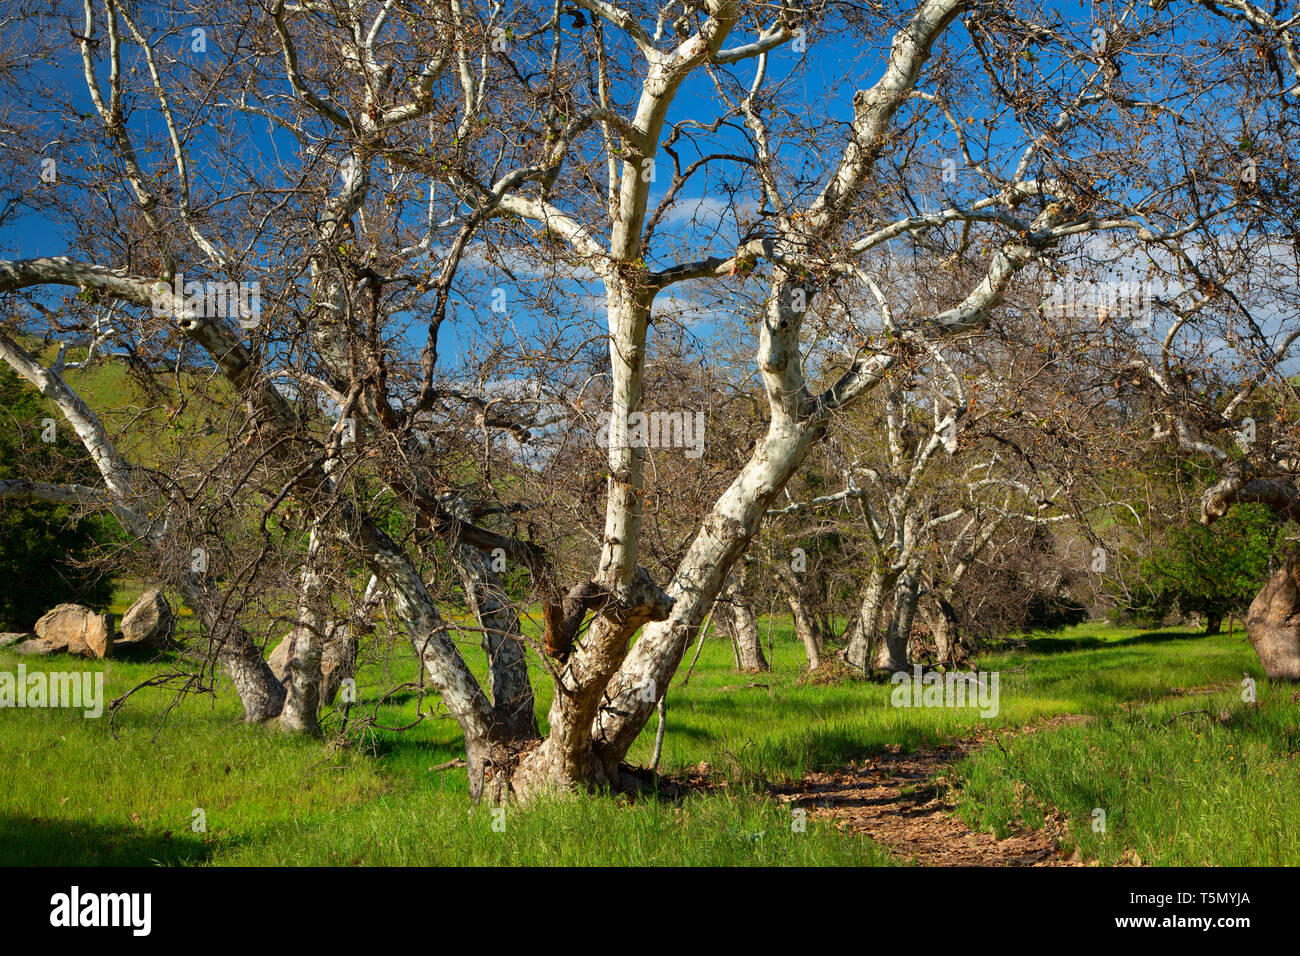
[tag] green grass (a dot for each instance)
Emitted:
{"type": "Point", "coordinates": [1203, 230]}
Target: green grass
{"type": "Point", "coordinates": [1188, 780]}
{"type": "Point", "coordinates": [83, 795]}
{"type": "Point", "coordinates": [78, 793]}
{"type": "Point", "coordinates": [147, 429]}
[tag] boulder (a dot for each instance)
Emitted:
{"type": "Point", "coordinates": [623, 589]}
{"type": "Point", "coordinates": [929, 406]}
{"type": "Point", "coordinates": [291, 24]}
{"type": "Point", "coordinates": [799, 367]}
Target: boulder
{"type": "Point", "coordinates": [148, 623]}
{"type": "Point", "coordinates": [279, 659]}
{"type": "Point", "coordinates": [40, 645]}
{"type": "Point", "coordinates": [76, 629]}
{"type": "Point", "coordinates": [15, 637]}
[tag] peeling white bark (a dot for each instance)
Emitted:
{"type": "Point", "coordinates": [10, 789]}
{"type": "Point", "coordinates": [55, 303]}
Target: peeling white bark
{"type": "Point", "coordinates": [303, 682]}
{"type": "Point", "coordinates": [503, 642]}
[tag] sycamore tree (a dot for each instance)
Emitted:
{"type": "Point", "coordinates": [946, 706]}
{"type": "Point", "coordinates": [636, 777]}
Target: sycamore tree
{"type": "Point", "coordinates": [973, 446]}
{"type": "Point", "coordinates": [1216, 385]}
{"type": "Point", "coordinates": [316, 204]}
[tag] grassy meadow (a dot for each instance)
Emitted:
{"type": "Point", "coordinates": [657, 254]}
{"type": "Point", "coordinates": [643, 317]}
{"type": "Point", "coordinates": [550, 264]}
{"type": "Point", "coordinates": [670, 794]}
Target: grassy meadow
{"type": "Point", "coordinates": [1186, 771]}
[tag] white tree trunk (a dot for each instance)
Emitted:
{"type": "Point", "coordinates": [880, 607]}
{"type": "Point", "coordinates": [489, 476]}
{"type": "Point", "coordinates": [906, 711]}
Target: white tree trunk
{"type": "Point", "coordinates": [891, 654]}
{"type": "Point", "coordinates": [862, 633]}
{"type": "Point", "coordinates": [303, 681]}
{"type": "Point", "coordinates": [806, 625]}
{"type": "Point", "coordinates": [725, 533]}
{"type": "Point", "coordinates": [736, 614]}
{"type": "Point", "coordinates": [503, 642]}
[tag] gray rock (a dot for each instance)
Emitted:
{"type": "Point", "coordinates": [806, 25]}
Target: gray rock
{"type": "Point", "coordinates": [279, 659]}
{"type": "Point", "coordinates": [148, 623]}
{"type": "Point", "coordinates": [40, 646]}
{"type": "Point", "coordinates": [76, 629]}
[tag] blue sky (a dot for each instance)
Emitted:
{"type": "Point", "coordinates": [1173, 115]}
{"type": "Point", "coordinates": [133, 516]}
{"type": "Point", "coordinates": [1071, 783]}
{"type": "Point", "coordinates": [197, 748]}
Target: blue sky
{"type": "Point", "coordinates": [821, 83]}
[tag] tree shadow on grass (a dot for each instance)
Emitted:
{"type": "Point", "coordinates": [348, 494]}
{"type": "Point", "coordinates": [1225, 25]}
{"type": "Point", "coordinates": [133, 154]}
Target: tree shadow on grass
{"type": "Point", "coordinates": [1162, 637]}
{"type": "Point", "coordinates": [29, 841]}
{"type": "Point", "coordinates": [1062, 645]}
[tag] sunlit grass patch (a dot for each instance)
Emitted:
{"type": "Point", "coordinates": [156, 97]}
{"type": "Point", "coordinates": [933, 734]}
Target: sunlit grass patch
{"type": "Point", "coordinates": [79, 793]}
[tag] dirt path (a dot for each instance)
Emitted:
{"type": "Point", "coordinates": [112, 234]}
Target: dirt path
{"type": "Point", "coordinates": [896, 799]}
